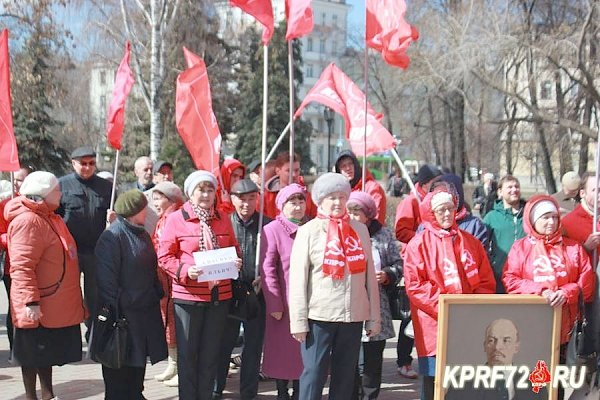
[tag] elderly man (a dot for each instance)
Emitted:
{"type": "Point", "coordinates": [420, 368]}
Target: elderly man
{"type": "Point", "coordinates": [568, 196]}
{"type": "Point", "coordinates": [143, 171]}
{"type": "Point", "coordinates": [83, 206]}
{"type": "Point", "coordinates": [501, 343]}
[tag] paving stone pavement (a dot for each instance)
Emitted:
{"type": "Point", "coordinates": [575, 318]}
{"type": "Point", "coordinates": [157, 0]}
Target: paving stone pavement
{"type": "Point", "coordinates": [83, 380]}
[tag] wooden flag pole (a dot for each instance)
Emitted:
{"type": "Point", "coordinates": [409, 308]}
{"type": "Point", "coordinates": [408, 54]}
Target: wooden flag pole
{"type": "Point", "coordinates": [406, 174]}
{"type": "Point", "coordinates": [292, 136]}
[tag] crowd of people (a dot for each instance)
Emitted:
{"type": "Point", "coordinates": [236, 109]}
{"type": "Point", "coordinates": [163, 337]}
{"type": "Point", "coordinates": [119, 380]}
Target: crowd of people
{"type": "Point", "coordinates": [321, 266]}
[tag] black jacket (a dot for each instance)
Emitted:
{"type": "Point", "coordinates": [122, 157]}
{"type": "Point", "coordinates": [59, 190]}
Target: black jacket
{"type": "Point", "coordinates": [83, 206]}
{"type": "Point", "coordinates": [126, 265]}
{"type": "Point", "coordinates": [246, 234]}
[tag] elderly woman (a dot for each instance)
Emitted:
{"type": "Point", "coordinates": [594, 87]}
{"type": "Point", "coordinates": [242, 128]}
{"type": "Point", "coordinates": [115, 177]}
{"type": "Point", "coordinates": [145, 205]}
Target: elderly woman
{"type": "Point", "coordinates": [334, 292]}
{"type": "Point", "coordinates": [128, 282]}
{"type": "Point", "coordinates": [550, 265]}
{"type": "Point", "coordinates": [276, 247]}
{"type": "Point", "coordinates": [441, 259]}
{"type": "Point", "coordinates": [388, 264]}
{"type": "Point", "coordinates": [46, 303]}
{"type": "Point", "coordinates": [167, 198]}
{"type": "Point", "coordinates": [201, 308]}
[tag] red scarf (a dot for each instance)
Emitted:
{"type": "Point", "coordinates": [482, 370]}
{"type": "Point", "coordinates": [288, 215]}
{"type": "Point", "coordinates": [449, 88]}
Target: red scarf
{"type": "Point", "coordinates": [441, 246]}
{"type": "Point", "coordinates": [342, 247]}
{"type": "Point", "coordinates": [550, 263]}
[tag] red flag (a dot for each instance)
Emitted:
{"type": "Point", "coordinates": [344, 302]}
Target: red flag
{"type": "Point", "coordinates": [115, 122]}
{"type": "Point", "coordinates": [388, 32]}
{"type": "Point", "coordinates": [9, 156]}
{"type": "Point", "coordinates": [337, 91]}
{"type": "Point", "coordinates": [194, 117]}
{"type": "Point", "coordinates": [299, 17]}
{"type": "Point", "coordinates": [262, 11]}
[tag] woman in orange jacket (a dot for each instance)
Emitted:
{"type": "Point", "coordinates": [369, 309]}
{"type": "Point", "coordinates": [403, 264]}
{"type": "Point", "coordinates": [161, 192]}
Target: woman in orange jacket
{"type": "Point", "coordinates": [46, 302]}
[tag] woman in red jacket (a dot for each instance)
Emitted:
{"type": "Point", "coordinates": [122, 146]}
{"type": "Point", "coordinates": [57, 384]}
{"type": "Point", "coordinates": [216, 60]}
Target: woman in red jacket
{"type": "Point", "coordinates": [167, 198]}
{"type": "Point", "coordinates": [200, 307]}
{"type": "Point", "coordinates": [440, 260]}
{"type": "Point", "coordinates": [550, 265]}
{"type": "Point", "coordinates": [46, 302]}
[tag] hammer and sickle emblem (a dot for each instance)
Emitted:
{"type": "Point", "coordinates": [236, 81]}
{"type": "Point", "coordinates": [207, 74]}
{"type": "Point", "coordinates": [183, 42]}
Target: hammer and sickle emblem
{"type": "Point", "coordinates": [334, 248]}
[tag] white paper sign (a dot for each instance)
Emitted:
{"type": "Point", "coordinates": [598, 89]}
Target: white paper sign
{"type": "Point", "coordinates": [217, 264]}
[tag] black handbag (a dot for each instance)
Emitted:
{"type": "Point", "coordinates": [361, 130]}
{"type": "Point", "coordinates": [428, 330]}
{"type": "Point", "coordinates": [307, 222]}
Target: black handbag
{"type": "Point", "coordinates": [579, 348]}
{"type": "Point", "coordinates": [399, 302]}
{"type": "Point", "coordinates": [109, 338]}
{"type": "Point", "coordinates": [244, 305]}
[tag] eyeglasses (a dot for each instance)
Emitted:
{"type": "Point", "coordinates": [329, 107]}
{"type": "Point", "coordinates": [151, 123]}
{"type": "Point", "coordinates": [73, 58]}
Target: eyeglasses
{"type": "Point", "coordinates": [443, 210]}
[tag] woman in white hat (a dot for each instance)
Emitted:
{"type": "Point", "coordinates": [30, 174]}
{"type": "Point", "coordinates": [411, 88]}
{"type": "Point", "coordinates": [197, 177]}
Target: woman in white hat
{"type": "Point", "coordinates": [201, 308]}
{"type": "Point", "coordinates": [334, 291]}
{"type": "Point", "coordinates": [46, 301]}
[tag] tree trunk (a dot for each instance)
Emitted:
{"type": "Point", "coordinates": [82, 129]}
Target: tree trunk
{"type": "Point", "coordinates": [434, 139]}
{"type": "Point", "coordinates": [564, 141]}
{"type": "Point", "coordinates": [155, 80]}
{"type": "Point", "coordinates": [450, 134]}
{"type": "Point", "coordinates": [584, 155]}
{"type": "Point", "coordinates": [458, 112]}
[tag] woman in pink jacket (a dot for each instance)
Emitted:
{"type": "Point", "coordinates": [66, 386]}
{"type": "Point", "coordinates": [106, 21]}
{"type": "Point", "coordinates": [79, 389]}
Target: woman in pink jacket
{"type": "Point", "coordinates": [276, 247]}
{"type": "Point", "coordinates": [201, 308]}
{"type": "Point", "coordinates": [46, 302]}
{"type": "Point", "coordinates": [550, 265]}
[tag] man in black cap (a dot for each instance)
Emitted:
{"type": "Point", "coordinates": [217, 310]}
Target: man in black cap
{"type": "Point", "coordinates": [162, 171]}
{"type": "Point", "coordinates": [245, 197]}
{"type": "Point", "coordinates": [83, 206]}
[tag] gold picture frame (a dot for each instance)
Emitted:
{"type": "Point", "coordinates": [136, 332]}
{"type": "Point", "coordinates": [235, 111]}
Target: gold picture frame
{"type": "Point", "coordinates": [463, 322]}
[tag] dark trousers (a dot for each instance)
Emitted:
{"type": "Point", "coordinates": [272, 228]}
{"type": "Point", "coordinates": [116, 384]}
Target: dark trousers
{"type": "Point", "coordinates": [9, 324]}
{"type": "Point", "coordinates": [254, 332]}
{"type": "Point", "coordinates": [404, 346]}
{"type": "Point", "coordinates": [199, 329]}
{"type": "Point", "coordinates": [334, 344]}
{"type": "Point", "coordinates": [427, 387]}
{"type": "Point", "coordinates": [370, 365]}
{"type": "Point", "coordinates": [125, 383]}
{"type": "Point", "coordinates": [87, 265]}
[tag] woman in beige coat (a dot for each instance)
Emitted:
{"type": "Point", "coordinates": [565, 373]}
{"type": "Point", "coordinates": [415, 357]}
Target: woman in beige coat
{"type": "Point", "coordinates": [334, 291]}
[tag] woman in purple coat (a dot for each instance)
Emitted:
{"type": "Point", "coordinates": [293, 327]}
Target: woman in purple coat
{"type": "Point", "coordinates": [281, 359]}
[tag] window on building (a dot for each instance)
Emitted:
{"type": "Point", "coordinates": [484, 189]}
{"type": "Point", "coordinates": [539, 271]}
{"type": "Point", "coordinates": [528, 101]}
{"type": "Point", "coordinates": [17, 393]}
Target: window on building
{"type": "Point", "coordinates": [546, 90]}
{"type": "Point", "coordinates": [324, 19]}
{"type": "Point", "coordinates": [334, 20]}
{"type": "Point", "coordinates": [103, 77]}
{"type": "Point", "coordinates": [309, 71]}
{"type": "Point", "coordinates": [309, 44]}
{"type": "Point", "coordinates": [334, 47]}
{"type": "Point", "coordinates": [322, 46]}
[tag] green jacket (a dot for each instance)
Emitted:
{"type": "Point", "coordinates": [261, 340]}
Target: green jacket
{"type": "Point", "coordinates": [504, 228]}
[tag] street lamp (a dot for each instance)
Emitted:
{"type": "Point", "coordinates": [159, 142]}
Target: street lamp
{"type": "Point", "coordinates": [328, 115]}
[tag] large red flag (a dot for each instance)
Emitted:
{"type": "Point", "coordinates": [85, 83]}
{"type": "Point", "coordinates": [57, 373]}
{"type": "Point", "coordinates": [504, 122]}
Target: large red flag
{"type": "Point", "coordinates": [262, 11]}
{"type": "Point", "coordinates": [299, 17]}
{"type": "Point", "coordinates": [115, 122]}
{"type": "Point", "coordinates": [194, 117]}
{"type": "Point", "coordinates": [9, 156]}
{"type": "Point", "coordinates": [388, 32]}
{"type": "Point", "coordinates": [336, 90]}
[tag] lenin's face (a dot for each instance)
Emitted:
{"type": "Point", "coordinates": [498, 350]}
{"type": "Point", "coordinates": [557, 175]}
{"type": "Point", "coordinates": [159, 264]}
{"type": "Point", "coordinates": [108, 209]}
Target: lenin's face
{"type": "Point", "coordinates": [501, 342]}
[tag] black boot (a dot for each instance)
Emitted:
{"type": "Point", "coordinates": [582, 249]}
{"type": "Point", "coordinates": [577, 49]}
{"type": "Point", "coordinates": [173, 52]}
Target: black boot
{"type": "Point", "coordinates": [296, 389]}
{"type": "Point", "coordinates": [282, 389]}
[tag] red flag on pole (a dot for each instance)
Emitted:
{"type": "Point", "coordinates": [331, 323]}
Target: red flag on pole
{"type": "Point", "coordinates": [9, 156]}
{"type": "Point", "coordinates": [262, 11]}
{"type": "Point", "coordinates": [388, 32]}
{"type": "Point", "coordinates": [115, 122]}
{"type": "Point", "coordinates": [194, 117]}
{"type": "Point", "coordinates": [336, 90]}
{"type": "Point", "coordinates": [299, 17]}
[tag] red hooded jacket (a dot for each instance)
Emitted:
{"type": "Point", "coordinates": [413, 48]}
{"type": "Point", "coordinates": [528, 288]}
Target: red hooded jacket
{"type": "Point", "coordinates": [224, 202]}
{"type": "Point", "coordinates": [519, 270]}
{"type": "Point", "coordinates": [424, 274]}
{"type": "Point", "coordinates": [408, 217]}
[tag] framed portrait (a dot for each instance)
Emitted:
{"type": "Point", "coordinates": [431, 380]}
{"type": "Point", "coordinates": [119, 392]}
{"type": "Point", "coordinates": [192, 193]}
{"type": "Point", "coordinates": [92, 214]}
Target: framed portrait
{"type": "Point", "coordinates": [496, 346]}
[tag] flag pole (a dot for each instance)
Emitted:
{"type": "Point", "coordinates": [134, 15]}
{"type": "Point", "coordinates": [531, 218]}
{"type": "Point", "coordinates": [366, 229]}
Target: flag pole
{"type": "Point", "coordinates": [278, 142]}
{"type": "Point", "coordinates": [595, 219]}
{"type": "Point", "coordinates": [292, 136]}
{"type": "Point", "coordinates": [364, 166]}
{"type": "Point", "coordinates": [12, 184]}
{"type": "Point", "coordinates": [114, 183]}
{"type": "Point", "coordinates": [406, 174]}
{"type": "Point", "coordinates": [262, 158]}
